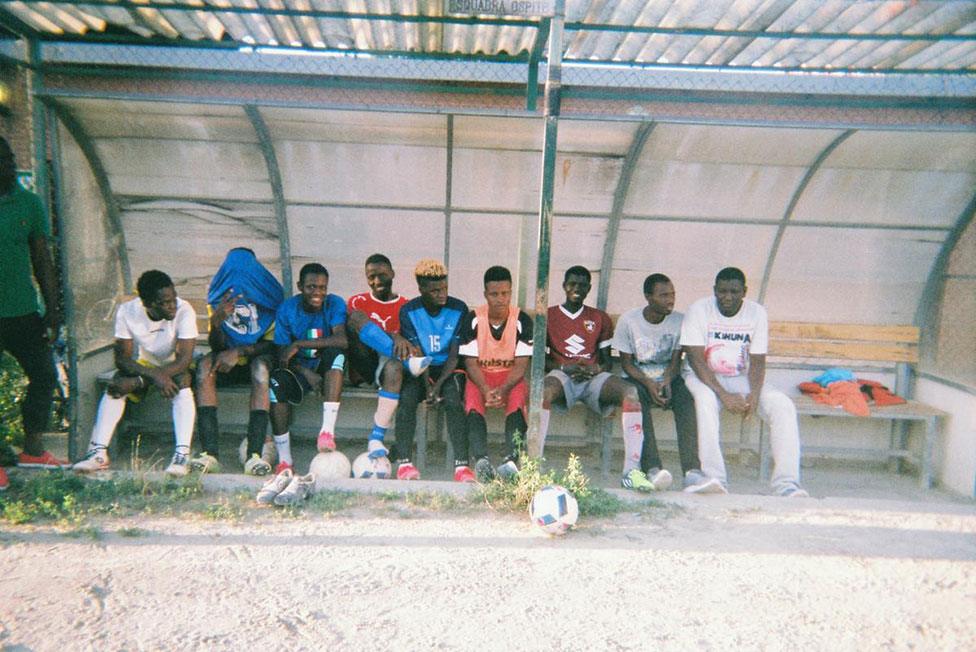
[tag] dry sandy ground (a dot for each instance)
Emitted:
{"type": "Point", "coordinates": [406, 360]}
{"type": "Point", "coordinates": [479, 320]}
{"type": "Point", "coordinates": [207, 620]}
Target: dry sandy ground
{"type": "Point", "coordinates": [711, 573]}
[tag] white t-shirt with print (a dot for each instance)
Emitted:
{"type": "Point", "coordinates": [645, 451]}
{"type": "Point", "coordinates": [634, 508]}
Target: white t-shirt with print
{"type": "Point", "coordinates": [728, 341]}
{"type": "Point", "coordinates": [652, 345]}
{"type": "Point", "coordinates": [155, 340]}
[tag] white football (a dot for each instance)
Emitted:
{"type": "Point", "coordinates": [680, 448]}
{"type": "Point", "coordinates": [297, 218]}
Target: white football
{"type": "Point", "coordinates": [553, 510]}
{"type": "Point", "coordinates": [366, 467]}
{"type": "Point", "coordinates": [329, 467]}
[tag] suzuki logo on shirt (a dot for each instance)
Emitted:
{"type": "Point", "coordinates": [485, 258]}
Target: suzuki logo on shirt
{"type": "Point", "coordinates": [574, 344]}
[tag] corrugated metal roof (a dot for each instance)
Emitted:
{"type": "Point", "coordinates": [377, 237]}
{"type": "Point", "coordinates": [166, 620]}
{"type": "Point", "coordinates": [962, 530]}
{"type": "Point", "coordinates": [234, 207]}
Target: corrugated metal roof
{"type": "Point", "coordinates": [880, 35]}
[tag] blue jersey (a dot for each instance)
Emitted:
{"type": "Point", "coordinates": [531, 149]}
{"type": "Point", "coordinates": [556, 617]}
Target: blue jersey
{"type": "Point", "coordinates": [432, 333]}
{"type": "Point", "coordinates": [259, 295]}
{"type": "Point", "coordinates": [293, 323]}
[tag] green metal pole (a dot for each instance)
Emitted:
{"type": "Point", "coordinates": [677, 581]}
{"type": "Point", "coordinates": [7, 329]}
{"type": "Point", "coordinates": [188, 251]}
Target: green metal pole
{"type": "Point", "coordinates": [38, 125]}
{"type": "Point", "coordinates": [551, 113]}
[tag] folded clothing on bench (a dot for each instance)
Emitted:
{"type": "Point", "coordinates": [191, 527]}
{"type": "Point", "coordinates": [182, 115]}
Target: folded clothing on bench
{"type": "Point", "coordinates": [854, 396]}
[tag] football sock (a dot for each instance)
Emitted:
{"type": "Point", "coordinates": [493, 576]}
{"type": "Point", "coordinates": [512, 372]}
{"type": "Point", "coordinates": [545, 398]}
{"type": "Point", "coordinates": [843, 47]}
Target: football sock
{"type": "Point", "coordinates": [207, 428]}
{"type": "Point", "coordinates": [330, 413]}
{"type": "Point", "coordinates": [283, 444]}
{"type": "Point", "coordinates": [633, 439]}
{"type": "Point", "coordinates": [184, 413]}
{"type": "Point", "coordinates": [257, 426]}
{"type": "Point", "coordinates": [110, 412]}
{"type": "Point", "coordinates": [386, 406]}
{"type": "Point", "coordinates": [515, 423]}
{"type": "Point", "coordinates": [375, 338]}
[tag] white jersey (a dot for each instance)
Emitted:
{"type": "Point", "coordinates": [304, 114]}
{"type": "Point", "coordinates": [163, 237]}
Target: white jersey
{"type": "Point", "coordinates": [155, 340]}
{"type": "Point", "coordinates": [652, 345]}
{"type": "Point", "coordinates": [728, 341]}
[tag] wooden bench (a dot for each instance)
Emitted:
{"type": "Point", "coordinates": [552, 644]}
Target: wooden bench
{"type": "Point", "coordinates": [814, 345]}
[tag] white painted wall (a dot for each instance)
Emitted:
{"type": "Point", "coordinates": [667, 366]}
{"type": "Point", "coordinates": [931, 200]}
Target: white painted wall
{"type": "Point", "coordinates": [955, 453]}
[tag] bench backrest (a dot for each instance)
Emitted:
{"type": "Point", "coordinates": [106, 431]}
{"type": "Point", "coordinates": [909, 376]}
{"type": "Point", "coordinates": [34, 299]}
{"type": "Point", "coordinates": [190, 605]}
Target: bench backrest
{"type": "Point", "coordinates": [844, 342]}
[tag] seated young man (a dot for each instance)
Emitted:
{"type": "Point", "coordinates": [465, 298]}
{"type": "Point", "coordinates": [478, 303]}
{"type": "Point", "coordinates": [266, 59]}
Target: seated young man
{"type": "Point", "coordinates": [648, 340]}
{"type": "Point", "coordinates": [431, 323]}
{"type": "Point", "coordinates": [163, 328]}
{"type": "Point", "coordinates": [376, 348]}
{"type": "Point", "coordinates": [578, 341]}
{"type": "Point", "coordinates": [496, 346]}
{"type": "Point", "coordinates": [310, 334]}
{"type": "Point", "coordinates": [725, 338]}
{"type": "Point", "coordinates": [243, 297]}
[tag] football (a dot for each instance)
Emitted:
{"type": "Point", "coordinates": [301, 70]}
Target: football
{"type": "Point", "coordinates": [365, 467]}
{"type": "Point", "coordinates": [553, 510]}
{"type": "Point", "coordinates": [329, 467]}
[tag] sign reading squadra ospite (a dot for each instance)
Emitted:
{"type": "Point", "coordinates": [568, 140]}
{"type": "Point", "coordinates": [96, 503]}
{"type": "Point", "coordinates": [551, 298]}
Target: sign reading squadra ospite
{"type": "Point", "coordinates": [525, 8]}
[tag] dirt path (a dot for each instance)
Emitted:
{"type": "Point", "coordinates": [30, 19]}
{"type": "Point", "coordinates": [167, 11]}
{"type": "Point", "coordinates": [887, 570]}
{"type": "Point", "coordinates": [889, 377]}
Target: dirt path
{"type": "Point", "coordinates": [736, 572]}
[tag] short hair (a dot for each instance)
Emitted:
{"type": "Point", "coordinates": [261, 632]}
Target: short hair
{"type": "Point", "coordinates": [379, 259]}
{"type": "Point", "coordinates": [428, 270]}
{"type": "Point", "coordinates": [150, 283]}
{"type": "Point", "coordinates": [731, 274]}
{"type": "Point", "coordinates": [497, 273]}
{"type": "Point", "coordinates": [312, 268]}
{"type": "Point", "coordinates": [577, 270]}
{"type": "Point", "coordinates": [653, 280]}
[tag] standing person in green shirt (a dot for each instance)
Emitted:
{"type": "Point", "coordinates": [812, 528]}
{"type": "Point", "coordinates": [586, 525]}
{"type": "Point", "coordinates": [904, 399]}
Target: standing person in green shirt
{"type": "Point", "coordinates": [24, 256]}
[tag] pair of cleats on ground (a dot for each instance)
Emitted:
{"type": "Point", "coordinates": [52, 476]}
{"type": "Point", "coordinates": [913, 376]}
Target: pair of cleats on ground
{"type": "Point", "coordinates": [660, 479]}
{"type": "Point", "coordinates": [97, 460]}
{"type": "Point", "coordinates": [286, 488]}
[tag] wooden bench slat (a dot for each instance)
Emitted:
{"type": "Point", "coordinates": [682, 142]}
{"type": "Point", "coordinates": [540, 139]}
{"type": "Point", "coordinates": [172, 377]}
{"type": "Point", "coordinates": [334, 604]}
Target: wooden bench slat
{"type": "Point", "coordinates": [865, 333]}
{"type": "Point", "coordinates": [843, 350]}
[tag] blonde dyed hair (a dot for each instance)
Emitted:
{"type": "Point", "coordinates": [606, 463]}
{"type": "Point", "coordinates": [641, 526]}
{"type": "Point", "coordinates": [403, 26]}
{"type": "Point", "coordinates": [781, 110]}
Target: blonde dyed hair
{"type": "Point", "coordinates": [429, 269]}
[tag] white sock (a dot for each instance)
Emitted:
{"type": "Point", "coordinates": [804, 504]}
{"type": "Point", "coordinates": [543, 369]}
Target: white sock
{"type": "Point", "coordinates": [283, 444]}
{"type": "Point", "coordinates": [110, 411]}
{"type": "Point", "coordinates": [633, 439]}
{"type": "Point", "coordinates": [543, 429]}
{"type": "Point", "coordinates": [330, 412]}
{"type": "Point", "coordinates": [386, 406]}
{"type": "Point", "coordinates": [184, 414]}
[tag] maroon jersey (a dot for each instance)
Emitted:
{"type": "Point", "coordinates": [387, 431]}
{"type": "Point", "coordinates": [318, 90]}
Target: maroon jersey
{"type": "Point", "coordinates": [385, 314]}
{"type": "Point", "coordinates": [577, 338]}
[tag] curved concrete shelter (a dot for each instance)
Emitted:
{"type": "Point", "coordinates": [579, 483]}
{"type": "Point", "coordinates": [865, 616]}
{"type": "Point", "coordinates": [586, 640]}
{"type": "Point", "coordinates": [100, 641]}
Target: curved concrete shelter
{"type": "Point", "coordinates": [826, 148]}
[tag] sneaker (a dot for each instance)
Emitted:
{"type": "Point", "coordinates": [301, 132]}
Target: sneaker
{"type": "Point", "coordinates": [205, 463]}
{"type": "Point", "coordinates": [660, 478]}
{"type": "Point", "coordinates": [256, 466]}
{"type": "Point", "coordinates": [281, 467]}
{"type": "Point", "coordinates": [270, 490]}
{"type": "Point", "coordinates": [4, 480]}
{"type": "Point", "coordinates": [268, 453]}
{"type": "Point", "coordinates": [43, 461]}
{"type": "Point", "coordinates": [179, 466]}
{"type": "Point", "coordinates": [300, 488]}
{"type": "Point", "coordinates": [326, 442]}
{"type": "Point", "coordinates": [697, 482]}
{"type": "Point", "coordinates": [508, 469]}
{"type": "Point", "coordinates": [793, 490]}
{"type": "Point", "coordinates": [484, 471]}
{"type": "Point", "coordinates": [464, 474]}
{"type": "Point", "coordinates": [417, 365]}
{"type": "Point", "coordinates": [635, 479]}
{"type": "Point", "coordinates": [95, 460]}
{"type": "Point", "coordinates": [376, 449]}
{"type": "Point", "coordinates": [407, 471]}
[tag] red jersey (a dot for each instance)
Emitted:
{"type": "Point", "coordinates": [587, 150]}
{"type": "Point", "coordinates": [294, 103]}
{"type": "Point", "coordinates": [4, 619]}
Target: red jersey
{"type": "Point", "coordinates": [577, 338]}
{"type": "Point", "coordinates": [385, 314]}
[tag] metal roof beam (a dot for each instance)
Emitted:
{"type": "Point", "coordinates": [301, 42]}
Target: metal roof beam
{"type": "Point", "coordinates": [576, 76]}
{"type": "Point", "coordinates": [616, 212]}
{"type": "Point", "coordinates": [277, 190]}
{"type": "Point", "coordinates": [513, 22]}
